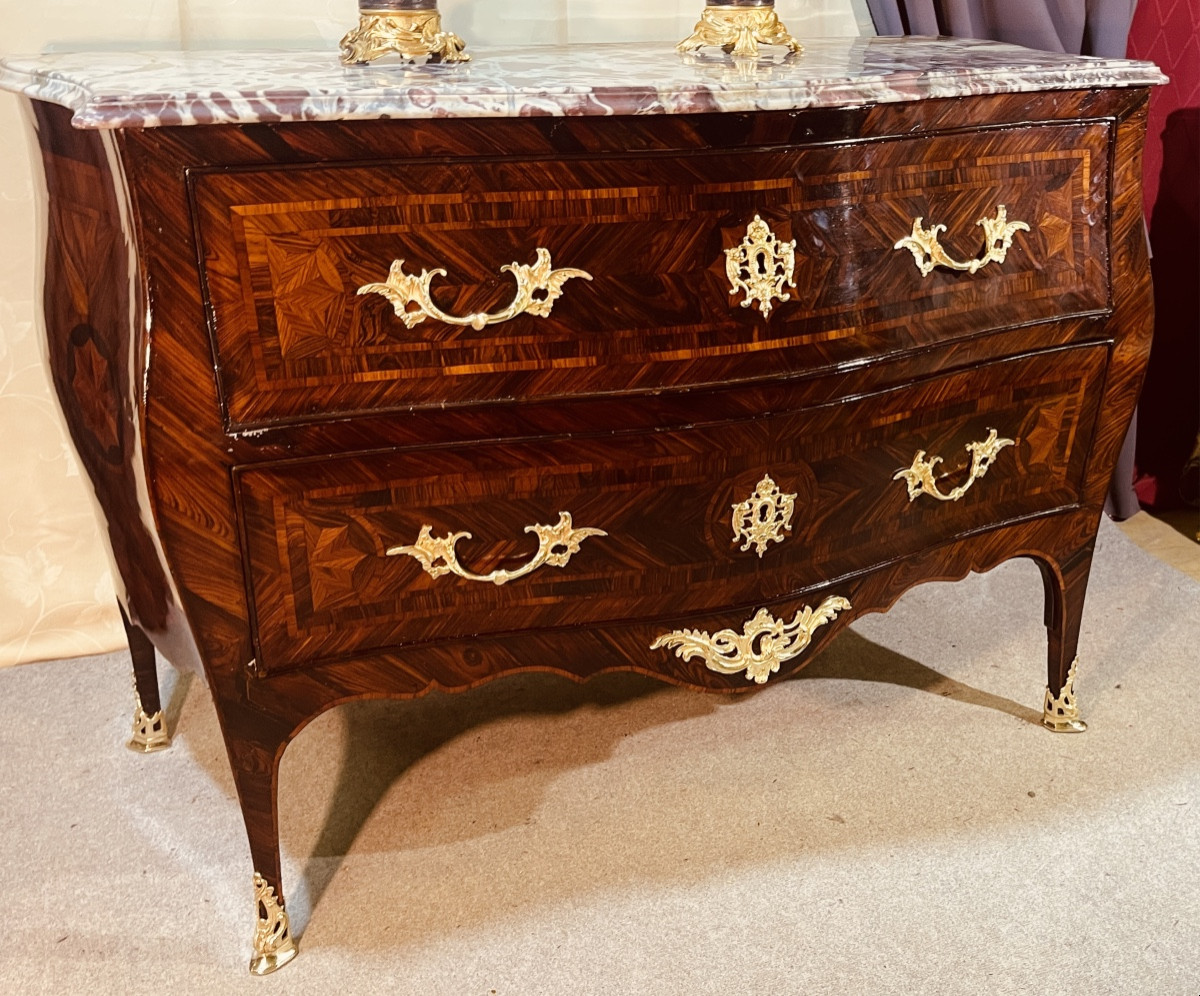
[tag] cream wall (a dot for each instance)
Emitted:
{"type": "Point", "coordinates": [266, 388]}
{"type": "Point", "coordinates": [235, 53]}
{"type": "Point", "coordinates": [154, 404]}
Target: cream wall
{"type": "Point", "coordinates": [56, 593]}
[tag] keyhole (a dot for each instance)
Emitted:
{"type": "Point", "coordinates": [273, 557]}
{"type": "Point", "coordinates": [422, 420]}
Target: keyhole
{"type": "Point", "coordinates": [760, 257]}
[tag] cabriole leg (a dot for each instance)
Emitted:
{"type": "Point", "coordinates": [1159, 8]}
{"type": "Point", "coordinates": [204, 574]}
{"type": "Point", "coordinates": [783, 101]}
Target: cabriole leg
{"type": "Point", "coordinates": [149, 724]}
{"type": "Point", "coordinates": [1065, 591]}
{"type": "Point", "coordinates": [255, 768]}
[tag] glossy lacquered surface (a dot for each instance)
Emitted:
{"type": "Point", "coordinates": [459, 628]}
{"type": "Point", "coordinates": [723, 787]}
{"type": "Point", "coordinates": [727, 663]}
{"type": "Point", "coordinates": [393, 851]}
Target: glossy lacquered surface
{"type": "Point", "coordinates": [318, 531]}
{"type": "Point", "coordinates": [262, 436]}
{"type": "Point", "coordinates": [285, 253]}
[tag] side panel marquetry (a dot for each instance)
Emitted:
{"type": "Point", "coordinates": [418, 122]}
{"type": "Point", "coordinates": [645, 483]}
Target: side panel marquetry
{"type": "Point", "coordinates": [285, 253]}
{"type": "Point", "coordinates": [656, 505]}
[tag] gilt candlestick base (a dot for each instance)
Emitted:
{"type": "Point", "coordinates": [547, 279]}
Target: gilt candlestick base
{"type": "Point", "coordinates": [411, 29]}
{"type": "Point", "coordinates": [738, 27]}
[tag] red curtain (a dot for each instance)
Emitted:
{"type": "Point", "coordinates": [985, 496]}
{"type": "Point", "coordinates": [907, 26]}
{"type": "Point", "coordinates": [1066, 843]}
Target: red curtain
{"type": "Point", "coordinates": [1168, 32]}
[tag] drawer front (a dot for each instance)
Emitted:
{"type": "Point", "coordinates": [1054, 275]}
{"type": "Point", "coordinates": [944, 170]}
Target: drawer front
{"type": "Point", "coordinates": [367, 552]}
{"type": "Point", "coordinates": [286, 252]}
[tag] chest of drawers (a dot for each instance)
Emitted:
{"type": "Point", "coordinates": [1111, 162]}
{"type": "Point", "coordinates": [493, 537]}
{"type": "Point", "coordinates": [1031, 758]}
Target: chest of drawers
{"type": "Point", "coordinates": [419, 378]}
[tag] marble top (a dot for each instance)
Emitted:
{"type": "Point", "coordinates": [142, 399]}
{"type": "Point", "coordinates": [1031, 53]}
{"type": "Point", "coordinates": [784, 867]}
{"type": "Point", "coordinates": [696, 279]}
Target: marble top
{"type": "Point", "coordinates": [151, 89]}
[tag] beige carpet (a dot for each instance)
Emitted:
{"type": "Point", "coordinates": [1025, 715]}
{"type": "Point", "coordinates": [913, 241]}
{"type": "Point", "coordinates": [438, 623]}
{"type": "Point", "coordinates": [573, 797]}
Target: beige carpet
{"type": "Point", "coordinates": [895, 822]}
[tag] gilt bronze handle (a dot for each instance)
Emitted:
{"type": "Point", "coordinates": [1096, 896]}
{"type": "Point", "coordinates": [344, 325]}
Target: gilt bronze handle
{"type": "Point", "coordinates": [920, 479]}
{"type": "Point", "coordinates": [927, 250]}
{"type": "Point", "coordinates": [538, 287]}
{"type": "Point", "coordinates": [556, 545]}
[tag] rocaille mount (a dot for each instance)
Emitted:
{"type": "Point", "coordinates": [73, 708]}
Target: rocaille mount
{"type": "Point", "coordinates": [738, 28]}
{"type": "Point", "coordinates": [410, 29]}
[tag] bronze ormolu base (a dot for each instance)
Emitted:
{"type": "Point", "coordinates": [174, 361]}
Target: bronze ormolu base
{"type": "Point", "coordinates": [273, 944]}
{"type": "Point", "coordinates": [738, 29]}
{"type": "Point", "coordinates": [1061, 713]}
{"type": "Point", "coordinates": [411, 29]}
{"type": "Point", "coordinates": [150, 732]}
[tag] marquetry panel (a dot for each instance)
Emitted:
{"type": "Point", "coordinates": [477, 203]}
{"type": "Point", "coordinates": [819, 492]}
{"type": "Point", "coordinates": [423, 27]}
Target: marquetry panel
{"type": "Point", "coordinates": [285, 251]}
{"type": "Point", "coordinates": [316, 533]}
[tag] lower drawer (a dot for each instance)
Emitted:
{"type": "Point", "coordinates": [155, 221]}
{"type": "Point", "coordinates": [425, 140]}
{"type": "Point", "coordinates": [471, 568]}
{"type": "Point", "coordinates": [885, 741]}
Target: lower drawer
{"type": "Point", "coordinates": [360, 553]}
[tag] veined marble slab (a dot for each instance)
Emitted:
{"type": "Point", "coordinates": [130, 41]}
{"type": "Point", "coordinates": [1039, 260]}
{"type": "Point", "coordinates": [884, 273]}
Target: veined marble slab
{"type": "Point", "coordinates": [151, 89]}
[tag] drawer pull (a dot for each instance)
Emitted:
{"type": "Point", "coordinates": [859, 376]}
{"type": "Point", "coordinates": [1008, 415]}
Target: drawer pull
{"type": "Point", "coordinates": [764, 517]}
{"type": "Point", "coordinates": [556, 545]}
{"type": "Point", "coordinates": [761, 266]}
{"type": "Point", "coordinates": [927, 251]}
{"type": "Point", "coordinates": [763, 644]}
{"type": "Point", "coordinates": [920, 479]}
{"type": "Point", "coordinates": [538, 287]}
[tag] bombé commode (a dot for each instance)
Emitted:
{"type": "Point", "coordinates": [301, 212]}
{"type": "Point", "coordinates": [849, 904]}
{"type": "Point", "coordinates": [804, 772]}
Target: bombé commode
{"type": "Point", "coordinates": [412, 375]}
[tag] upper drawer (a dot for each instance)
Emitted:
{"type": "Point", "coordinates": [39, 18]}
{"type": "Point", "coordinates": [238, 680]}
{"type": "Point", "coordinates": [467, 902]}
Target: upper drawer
{"type": "Point", "coordinates": [360, 553]}
{"type": "Point", "coordinates": [286, 251]}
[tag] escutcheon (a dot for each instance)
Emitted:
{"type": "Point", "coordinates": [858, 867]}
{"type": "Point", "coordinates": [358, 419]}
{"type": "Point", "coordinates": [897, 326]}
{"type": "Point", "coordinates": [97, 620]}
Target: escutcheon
{"type": "Point", "coordinates": [763, 518]}
{"type": "Point", "coordinates": [760, 648]}
{"type": "Point", "coordinates": [761, 266]}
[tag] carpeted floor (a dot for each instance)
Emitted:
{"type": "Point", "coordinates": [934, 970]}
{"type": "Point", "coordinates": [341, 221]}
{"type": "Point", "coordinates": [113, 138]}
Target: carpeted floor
{"type": "Point", "coordinates": [894, 822]}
